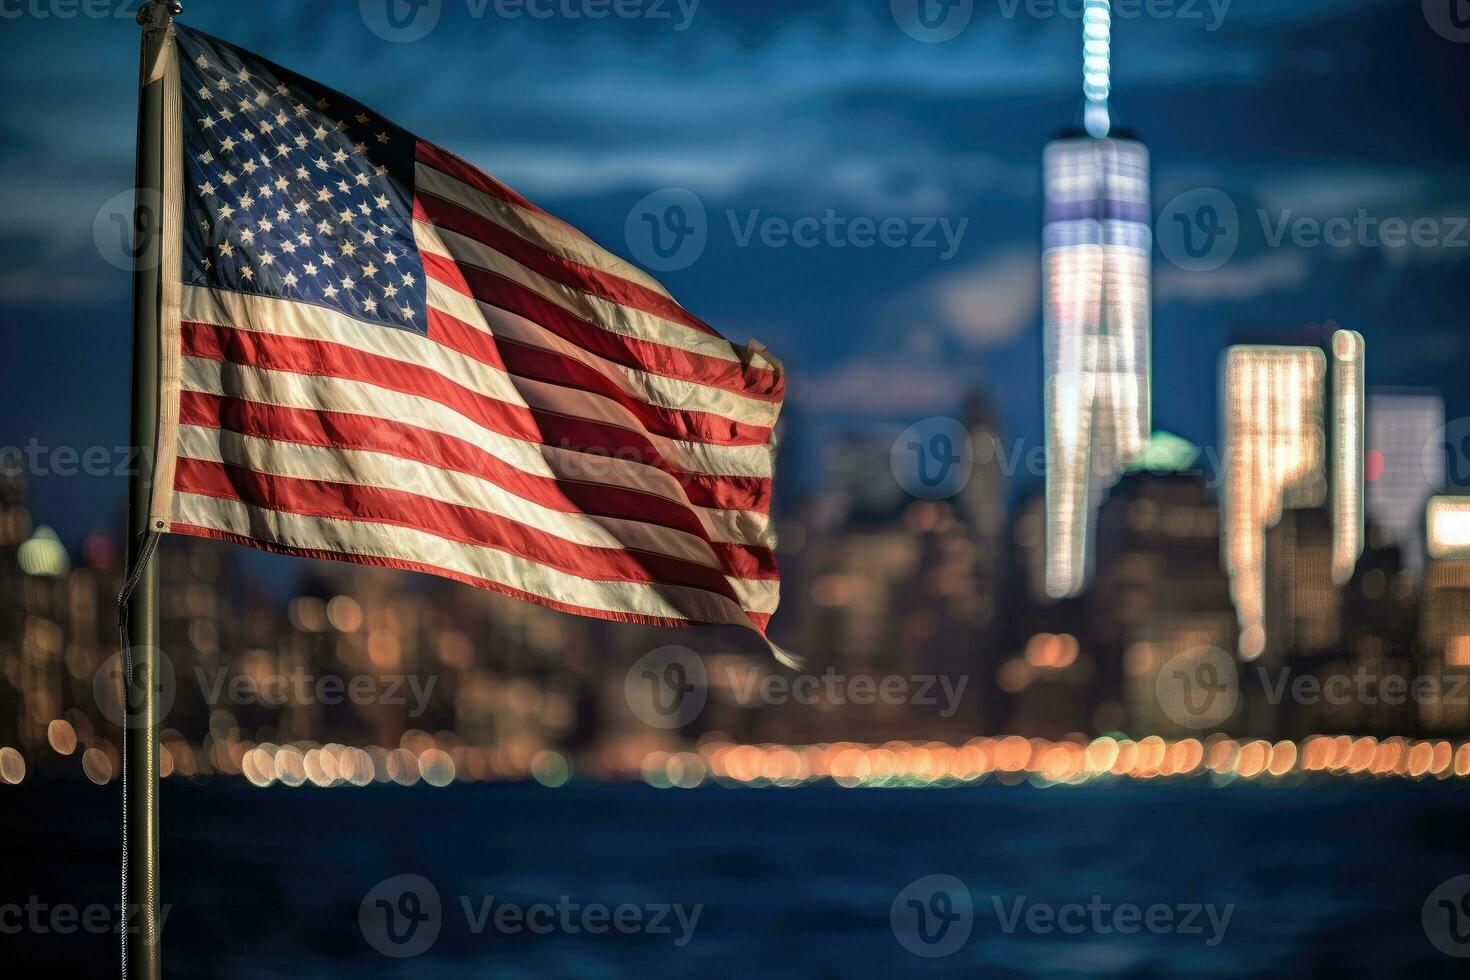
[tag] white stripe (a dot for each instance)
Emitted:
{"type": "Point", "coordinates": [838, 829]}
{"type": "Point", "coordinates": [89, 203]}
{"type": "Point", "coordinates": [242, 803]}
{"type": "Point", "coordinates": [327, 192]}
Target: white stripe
{"type": "Point", "coordinates": [407, 544]}
{"type": "Point", "coordinates": [654, 389]}
{"type": "Point", "coordinates": [552, 234]}
{"type": "Point", "coordinates": [370, 469]}
{"type": "Point", "coordinates": [321, 393]}
{"type": "Point", "coordinates": [267, 314]}
{"type": "Point", "coordinates": [613, 317]}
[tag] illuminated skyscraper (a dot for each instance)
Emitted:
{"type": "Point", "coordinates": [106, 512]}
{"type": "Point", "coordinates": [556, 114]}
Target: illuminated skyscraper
{"type": "Point", "coordinates": [1401, 475]}
{"type": "Point", "coordinates": [1347, 453]}
{"type": "Point", "coordinates": [1274, 457]}
{"type": "Point", "coordinates": [1096, 246]}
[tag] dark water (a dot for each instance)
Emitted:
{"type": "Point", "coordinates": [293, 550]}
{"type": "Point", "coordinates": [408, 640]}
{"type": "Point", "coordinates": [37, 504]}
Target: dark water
{"type": "Point", "coordinates": [1321, 881]}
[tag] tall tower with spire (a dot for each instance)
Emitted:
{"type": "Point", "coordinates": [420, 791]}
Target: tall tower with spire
{"type": "Point", "coordinates": [1096, 299]}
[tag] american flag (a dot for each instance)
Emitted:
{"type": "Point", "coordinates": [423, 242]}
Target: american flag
{"type": "Point", "coordinates": [375, 352]}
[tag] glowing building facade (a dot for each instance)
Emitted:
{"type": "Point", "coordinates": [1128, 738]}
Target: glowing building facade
{"type": "Point", "coordinates": [1274, 455]}
{"type": "Point", "coordinates": [1348, 406]}
{"type": "Point", "coordinates": [1401, 475]}
{"type": "Point", "coordinates": [1096, 316]}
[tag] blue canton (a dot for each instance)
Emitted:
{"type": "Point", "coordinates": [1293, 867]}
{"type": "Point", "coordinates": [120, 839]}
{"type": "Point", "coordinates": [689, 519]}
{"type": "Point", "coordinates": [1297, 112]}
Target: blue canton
{"type": "Point", "coordinates": [293, 190]}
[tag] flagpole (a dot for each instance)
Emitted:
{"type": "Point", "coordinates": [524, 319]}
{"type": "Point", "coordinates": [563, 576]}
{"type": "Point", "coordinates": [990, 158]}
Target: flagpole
{"type": "Point", "coordinates": [138, 606]}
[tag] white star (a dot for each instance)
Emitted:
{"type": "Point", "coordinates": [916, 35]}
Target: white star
{"type": "Point", "coordinates": [207, 122]}
{"type": "Point", "coordinates": [361, 179]}
{"type": "Point", "coordinates": [408, 278]}
{"type": "Point", "coordinates": [227, 144]}
{"type": "Point", "coordinates": [369, 270]}
{"type": "Point", "coordinates": [225, 248]}
{"type": "Point", "coordinates": [324, 195]}
{"type": "Point", "coordinates": [382, 137]}
{"type": "Point", "coordinates": [207, 188]}
{"type": "Point", "coordinates": [381, 201]}
{"type": "Point", "coordinates": [247, 273]}
{"type": "Point", "coordinates": [361, 117]}
{"type": "Point", "coordinates": [319, 131]}
{"type": "Point", "coordinates": [202, 61]}
{"type": "Point", "coordinates": [390, 291]}
{"type": "Point", "coordinates": [266, 257]}
{"type": "Point", "coordinates": [225, 210]}
{"type": "Point", "coordinates": [289, 279]}
{"type": "Point", "coordinates": [369, 237]}
{"type": "Point", "coordinates": [327, 260]}
{"type": "Point", "coordinates": [330, 291]}
{"type": "Point", "coordinates": [348, 248]}
{"type": "Point", "coordinates": [370, 305]}
{"type": "Point", "coordinates": [390, 257]}
{"type": "Point", "coordinates": [247, 236]}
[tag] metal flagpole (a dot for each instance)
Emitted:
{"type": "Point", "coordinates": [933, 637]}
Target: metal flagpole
{"type": "Point", "coordinates": [138, 603]}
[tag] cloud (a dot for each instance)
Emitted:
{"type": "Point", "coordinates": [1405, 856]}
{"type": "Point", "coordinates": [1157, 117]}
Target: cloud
{"type": "Point", "coordinates": [1236, 281]}
{"type": "Point", "coordinates": [983, 305]}
{"type": "Point", "coordinates": [877, 386]}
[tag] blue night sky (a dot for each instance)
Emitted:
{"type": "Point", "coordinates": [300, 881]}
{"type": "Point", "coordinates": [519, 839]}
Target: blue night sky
{"type": "Point", "coordinates": [789, 110]}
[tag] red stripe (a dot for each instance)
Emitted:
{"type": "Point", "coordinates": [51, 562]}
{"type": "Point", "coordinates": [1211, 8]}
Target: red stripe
{"type": "Point", "coordinates": [453, 522]}
{"type": "Point", "coordinates": [341, 430]}
{"type": "Point", "coordinates": [457, 218]}
{"type": "Point", "coordinates": [313, 357]}
{"type": "Point", "coordinates": [539, 364]}
{"type": "Point", "coordinates": [445, 162]}
{"type": "Point", "coordinates": [645, 355]}
{"type": "Point", "coordinates": [321, 554]}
